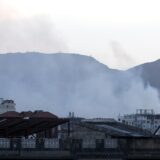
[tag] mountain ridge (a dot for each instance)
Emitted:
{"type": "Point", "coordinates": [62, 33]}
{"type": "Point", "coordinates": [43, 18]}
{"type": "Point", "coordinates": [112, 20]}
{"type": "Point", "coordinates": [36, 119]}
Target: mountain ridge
{"type": "Point", "coordinates": [69, 82]}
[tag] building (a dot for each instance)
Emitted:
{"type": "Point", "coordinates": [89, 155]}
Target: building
{"type": "Point", "coordinates": [68, 128]}
{"type": "Point", "coordinates": [80, 138]}
{"type": "Point", "coordinates": [143, 118]}
{"type": "Point", "coordinates": [97, 133]}
{"type": "Point", "coordinates": [7, 105]}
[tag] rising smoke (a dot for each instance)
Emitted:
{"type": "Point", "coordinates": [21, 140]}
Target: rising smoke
{"type": "Point", "coordinates": [25, 33]}
{"type": "Point", "coordinates": [122, 59]}
{"type": "Point", "coordinates": [62, 83]}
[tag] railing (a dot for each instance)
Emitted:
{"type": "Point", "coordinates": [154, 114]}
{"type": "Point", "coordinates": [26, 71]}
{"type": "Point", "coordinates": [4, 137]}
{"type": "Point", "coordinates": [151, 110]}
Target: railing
{"type": "Point", "coordinates": [55, 144]}
{"type": "Point", "coordinates": [22, 143]}
{"type": "Point", "coordinates": [4, 143]}
{"type": "Point", "coordinates": [73, 147]}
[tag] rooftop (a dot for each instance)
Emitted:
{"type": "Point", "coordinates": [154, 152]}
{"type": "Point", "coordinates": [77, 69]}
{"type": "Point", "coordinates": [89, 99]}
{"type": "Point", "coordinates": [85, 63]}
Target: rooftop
{"type": "Point", "coordinates": [14, 124]}
{"type": "Point", "coordinates": [116, 129]}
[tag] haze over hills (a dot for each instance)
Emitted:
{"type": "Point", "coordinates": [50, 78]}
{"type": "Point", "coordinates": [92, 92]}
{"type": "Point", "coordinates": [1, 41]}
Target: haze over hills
{"type": "Point", "coordinates": [70, 82]}
{"type": "Point", "coordinates": [149, 73]}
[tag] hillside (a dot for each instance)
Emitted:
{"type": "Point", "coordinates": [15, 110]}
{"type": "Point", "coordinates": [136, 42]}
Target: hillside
{"type": "Point", "coordinates": [69, 82]}
{"type": "Point", "coordinates": [149, 73]}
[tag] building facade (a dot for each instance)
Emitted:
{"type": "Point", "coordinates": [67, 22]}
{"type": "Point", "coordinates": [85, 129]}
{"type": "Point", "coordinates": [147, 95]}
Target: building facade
{"type": "Point", "coordinates": [7, 105]}
{"type": "Point", "coordinates": [143, 118]}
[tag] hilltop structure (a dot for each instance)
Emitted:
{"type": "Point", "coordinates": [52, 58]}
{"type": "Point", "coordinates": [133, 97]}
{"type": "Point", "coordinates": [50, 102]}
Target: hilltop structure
{"type": "Point", "coordinates": [7, 105]}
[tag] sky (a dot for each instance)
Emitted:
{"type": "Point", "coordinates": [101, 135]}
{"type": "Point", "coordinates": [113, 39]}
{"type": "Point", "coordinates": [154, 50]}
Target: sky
{"type": "Point", "coordinates": [118, 33]}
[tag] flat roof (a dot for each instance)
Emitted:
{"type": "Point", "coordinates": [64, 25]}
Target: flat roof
{"type": "Point", "coordinates": [116, 129]}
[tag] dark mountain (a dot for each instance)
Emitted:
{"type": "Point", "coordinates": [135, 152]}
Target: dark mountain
{"type": "Point", "coordinates": [69, 82]}
{"type": "Point", "coordinates": [150, 73]}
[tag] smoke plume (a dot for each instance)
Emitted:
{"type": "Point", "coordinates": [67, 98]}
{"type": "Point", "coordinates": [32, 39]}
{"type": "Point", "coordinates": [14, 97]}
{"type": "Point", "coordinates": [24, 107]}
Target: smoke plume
{"type": "Point", "coordinates": [61, 83]}
{"type": "Point", "coordinates": [121, 56]}
{"type": "Point", "coordinates": [28, 33]}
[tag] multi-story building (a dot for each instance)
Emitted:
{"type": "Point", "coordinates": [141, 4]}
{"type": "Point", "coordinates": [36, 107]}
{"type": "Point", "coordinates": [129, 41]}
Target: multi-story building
{"type": "Point", "coordinates": [143, 118]}
{"type": "Point", "coordinates": [7, 105]}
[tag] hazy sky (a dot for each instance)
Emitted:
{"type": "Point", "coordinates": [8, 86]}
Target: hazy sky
{"type": "Point", "coordinates": [119, 33]}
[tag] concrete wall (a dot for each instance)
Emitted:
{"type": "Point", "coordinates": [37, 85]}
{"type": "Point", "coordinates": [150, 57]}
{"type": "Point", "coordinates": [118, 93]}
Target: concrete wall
{"type": "Point", "coordinates": [144, 144]}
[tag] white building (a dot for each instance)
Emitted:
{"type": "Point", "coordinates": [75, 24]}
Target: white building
{"type": "Point", "coordinates": [7, 105]}
{"type": "Point", "coordinates": [143, 118]}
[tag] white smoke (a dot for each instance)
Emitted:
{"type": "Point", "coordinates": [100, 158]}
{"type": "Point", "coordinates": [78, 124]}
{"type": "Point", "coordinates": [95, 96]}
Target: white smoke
{"type": "Point", "coordinates": [109, 96]}
{"type": "Point", "coordinates": [61, 83]}
{"type": "Point", "coordinates": [122, 58]}
{"type": "Point", "coordinates": [28, 33]}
